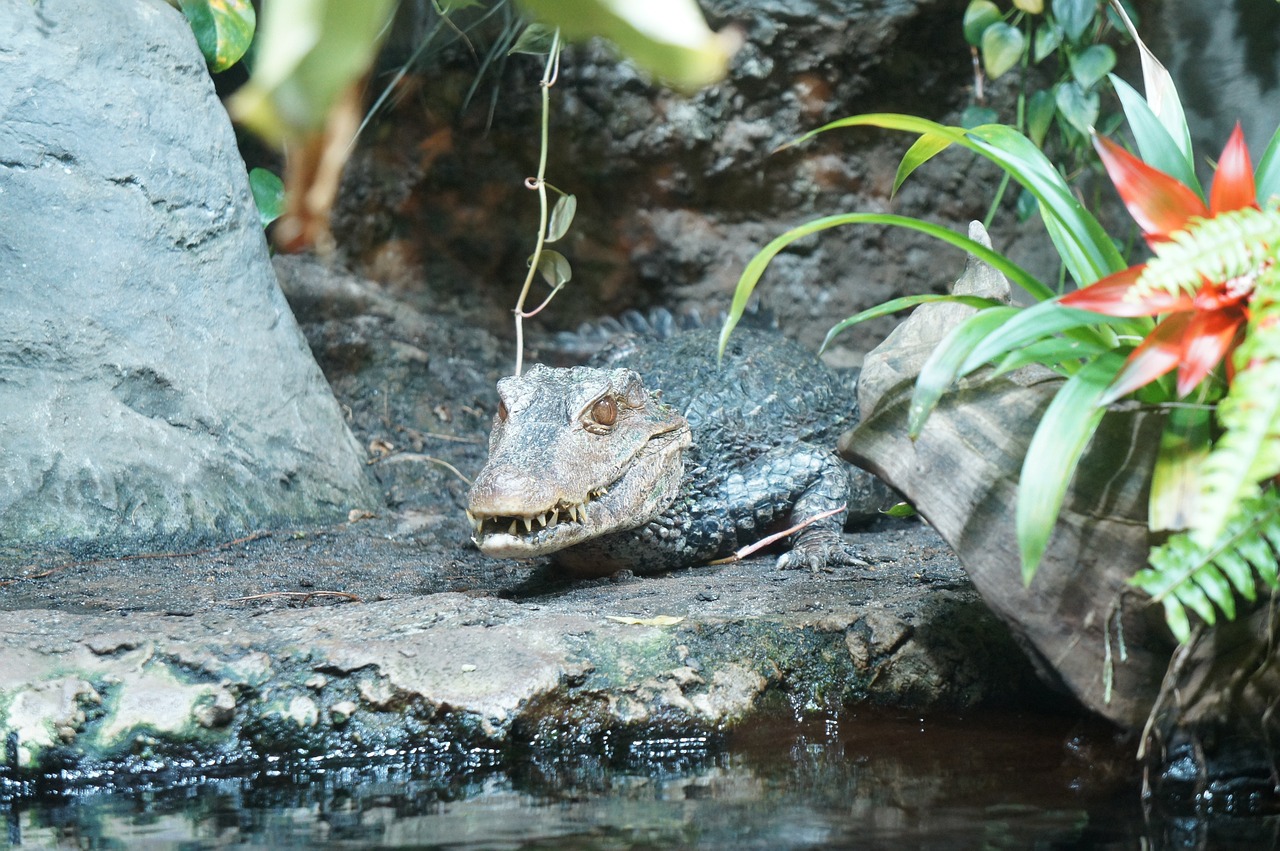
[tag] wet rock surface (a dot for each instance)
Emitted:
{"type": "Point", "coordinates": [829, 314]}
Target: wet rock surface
{"type": "Point", "coordinates": [392, 631]}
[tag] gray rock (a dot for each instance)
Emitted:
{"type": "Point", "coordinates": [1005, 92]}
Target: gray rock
{"type": "Point", "coordinates": [153, 382]}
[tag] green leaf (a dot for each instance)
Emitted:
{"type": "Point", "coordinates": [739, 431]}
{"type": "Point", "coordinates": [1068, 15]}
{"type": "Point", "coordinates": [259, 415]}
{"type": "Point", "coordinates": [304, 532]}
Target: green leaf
{"type": "Point", "coordinates": [1051, 352]}
{"type": "Point", "coordinates": [976, 116]}
{"type": "Point", "coordinates": [1267, 175]}
{"type": "Point", "coordinates": [1175, 481]}
{"type": "Point", "coordinates": [756, 266]}
{"type": "Point", "coordinates": [1040, 109]}
{"type": "Point", "coordinates": [670, 40]}
{"type": "Point", "coordinates": [1035, 323]}
{"type": "Point", "coordinates": [1026, 206]}
{"type": "Point", "coordinates": [943, 365]}
{"type": "Point", "coordinates": [1092, 64]}
{"type": "Point", "coordinates": [268, 194]}
{"type": "Point", "coordinates": [921, 151]}
{"type": "Point", "coordinates": [561, 217]}
{"type": "Point", "coordinates": [554, 268]}
{"type": "Point", "coordinates": [1048, 38]}
{"type": "Point", "coordinates": [1064, 431]}
{"type": "Point", "coordinates": [1031, 7]}
{"type": "Point", "coordinates": [894, 305]}
{"type": "Point", "coordinates": [979, 15]}
{"type": "Point", "coordinates": [1162, 94]}
{"type": "Point", "coordinates": [1078, 107]}
{"type": "Point", "coordinates": [535, 40]}
{"type": "Point", "coordinates": [901, 509]}
{"type": "Point", "coordinates": [1074, 16]}
{"type": "Point", "coordinates": [1086, 249]}
{"type": "Point", "coordinates": [223, 29]}
{"type": "Point", "coordinates": [448, 7]}
{"type": "Point", "coordinates": [1002, 47]}
{"type": "Point", "coordinates": [1155, 145]}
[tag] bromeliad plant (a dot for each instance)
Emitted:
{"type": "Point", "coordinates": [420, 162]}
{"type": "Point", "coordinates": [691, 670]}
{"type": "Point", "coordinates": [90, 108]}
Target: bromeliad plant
{"type": "Point", "coordinates": [1206, 308]}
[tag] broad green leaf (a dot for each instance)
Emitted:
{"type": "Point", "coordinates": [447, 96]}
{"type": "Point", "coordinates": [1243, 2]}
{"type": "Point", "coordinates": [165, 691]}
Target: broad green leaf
{"type": "Point", "coordinates": [561, 217]}
{"type": "Point", "coordinates": [1031, 7]}
{"type": "Point", "coordinates": [1157, 147]}
{"type": "Point", "coordinates": [309, 53]}
{"type": "Point", "coordinates": [1092, 64]}
{"type": "Point", "coordinates": [979, 15]}
{"type": "Point", "coordinates": [756, 266]}
{"type": "Point", "coordinates": [268, 194]}
{"type": "Point", "coordinates": [1040, 109]}
{"type": "Point", "coordinates": [1267, 175]}
{"type": "Point", "coordinates": [1162, 94]}
{"type": "Point", "coordinates": [1175, 481]}
{"type": "Point", "coordinates": [943, 365]}
{"type": "Point", "coordinates": [554, 268]}
{"type": "Point", "coordinates": [976, 116]}
{"type": "Point", "coordinates": [223, 29]}
{"type": "Point", "coordinates": [1192, 596]}
{"type": "Point", "coordinates": [901, 509]}
{"type": "Point", "coordinates": [1002, 47]}
{"type": "Point", "coordinates": [670, 40]}
{"type": "Point", "coordinates": [1218, 590]}
{"type": "Point", "coordinates": [1078, 107]}
{"type": "Point", "coordinates": [921, 151]}
{"type": "Point", "coordinates": [1239, 573]}
{"type": "Point", "coordinates": [1074, 16]}
{"type": "Point", "coordinates": [1176, 617]}
{"type": "Point", "coordinates": [1048, 38]}
{"type": "Point", "coordinates": [1065, 429]}
{"type": "Point", "coordinates": [894, 305]}
{"type": "Point", "coordinates": [534, 40]}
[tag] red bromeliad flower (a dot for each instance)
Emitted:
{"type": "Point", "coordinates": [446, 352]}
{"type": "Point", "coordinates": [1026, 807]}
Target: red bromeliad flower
{"type": "Point", "coordinates": [1197, 331]}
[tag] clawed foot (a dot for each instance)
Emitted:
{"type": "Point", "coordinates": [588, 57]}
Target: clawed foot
{"type": "Point", "coordinates": [823, 551]}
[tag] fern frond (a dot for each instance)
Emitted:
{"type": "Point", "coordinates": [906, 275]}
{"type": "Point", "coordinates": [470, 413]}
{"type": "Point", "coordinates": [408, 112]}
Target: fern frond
{"type": "Point", "coordinates": [1218, 249]}
{"type": "Point", "coordinates": [1248, 452]}
{"type": "Point", "coordinates": [1207, 580]}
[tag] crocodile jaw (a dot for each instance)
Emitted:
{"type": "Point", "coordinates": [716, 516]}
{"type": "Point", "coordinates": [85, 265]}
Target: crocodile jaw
{"type": "Point", "coordinates": [647, 486]}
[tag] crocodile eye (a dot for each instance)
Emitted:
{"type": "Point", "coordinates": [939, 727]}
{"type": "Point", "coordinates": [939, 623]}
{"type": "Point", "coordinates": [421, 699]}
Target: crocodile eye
{"type": "Point", "coordinates": [605, 411]}
{"type": "Point", "coordinates": [502, 411]}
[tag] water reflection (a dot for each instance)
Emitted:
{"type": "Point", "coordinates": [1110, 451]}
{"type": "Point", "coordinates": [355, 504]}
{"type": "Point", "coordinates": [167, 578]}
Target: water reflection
{"type": "Point", "coordinates": [867, 781]}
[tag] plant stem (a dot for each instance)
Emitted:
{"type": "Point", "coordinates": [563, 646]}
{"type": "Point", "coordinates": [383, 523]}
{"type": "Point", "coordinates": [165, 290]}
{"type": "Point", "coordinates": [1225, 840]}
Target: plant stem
{"type": "Point", "coordinates": [549, 74]}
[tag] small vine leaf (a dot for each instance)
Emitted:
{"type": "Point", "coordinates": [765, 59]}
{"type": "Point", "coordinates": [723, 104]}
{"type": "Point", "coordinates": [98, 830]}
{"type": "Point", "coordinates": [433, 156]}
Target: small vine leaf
{"type": "Point", "coordinates": [976, 116]}
{"type": "Point", "coordinates": [1031, 7]}
{"type": "Point", "coordinates": [223, 29]}
{"type": "Point", "coordinates": [1002, 47]}
{"type": "Point", "coordinates": [554, 268]}
{"type": "Point", "coordinates": [1048, 37]}
{"type": "Point", "coordinates": [979, 15]}
{"type": "Point", "coordinates": [1077, 107]}
{"type": "Point", "coordinates": [268, 194]}
{"type": "Point", "coordinates": [561, 217]}
{"type": "Point", "coordinates": [1092, 64]}
{"type": "Point", "coordinates": [901, 509]}
{"type": "Point", "coordinates": [1040, 110]}
{"type": "Point", "coordinates": [536, 40]}
{"type": "Point", "coordinates": [1074, 16]}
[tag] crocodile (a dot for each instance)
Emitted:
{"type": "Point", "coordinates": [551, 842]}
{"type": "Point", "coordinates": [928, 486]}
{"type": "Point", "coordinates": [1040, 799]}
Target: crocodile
{"type": "Point", "coordinates": [657, 455]}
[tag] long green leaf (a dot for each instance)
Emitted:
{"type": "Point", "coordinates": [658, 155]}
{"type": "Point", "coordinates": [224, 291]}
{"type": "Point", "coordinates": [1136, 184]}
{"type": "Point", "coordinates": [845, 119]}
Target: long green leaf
{"type": "Point", "coordinates": [756, 266]}
{"type": "Point", "coordinates": [921, 151]}
{"type": "Point", "coordinates": [1035, 323]}
{"type": "Point", "coordinates": [1064, 431]}
{"type": "Point", "coordinates": [1085, 247]}
{"type": "Point", "coordinates": [1053, 352]}
{"type": "Point", "coordinates": [1267, 175]}
{"type": "Point", "coordinates": [939, 370]}
{"type": "Point", "coordinates": [1157, 147]}
{"type": "Point", "coordinates": [894, 305]}
{"type": "Point", "coordinates": [1162, 94]}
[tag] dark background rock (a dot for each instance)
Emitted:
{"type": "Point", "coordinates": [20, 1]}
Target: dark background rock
{"type": "Point", "coordinates": [153, 383]}
{"type": "Point", "coordinates": [676, 194]}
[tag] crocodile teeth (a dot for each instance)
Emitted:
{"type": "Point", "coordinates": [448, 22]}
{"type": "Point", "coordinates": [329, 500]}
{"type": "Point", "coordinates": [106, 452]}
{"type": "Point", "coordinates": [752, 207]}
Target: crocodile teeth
{"type": "Point", "coordinates": [528, 524]}
{"type": "Point", "coordinates": [512, 531]}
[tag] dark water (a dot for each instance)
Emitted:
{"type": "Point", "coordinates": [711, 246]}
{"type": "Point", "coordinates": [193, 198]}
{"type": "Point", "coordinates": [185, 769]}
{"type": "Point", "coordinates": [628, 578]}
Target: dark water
{"type": "Point", "coordinates": [867, 781]}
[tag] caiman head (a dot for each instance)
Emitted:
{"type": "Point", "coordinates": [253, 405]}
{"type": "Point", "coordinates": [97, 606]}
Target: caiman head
{"type": "Point", "coordinates": [574, 454]}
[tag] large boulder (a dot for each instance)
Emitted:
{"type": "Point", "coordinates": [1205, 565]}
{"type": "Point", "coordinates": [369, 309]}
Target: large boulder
{"type": "Point", "coordinates": [153, 383]}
